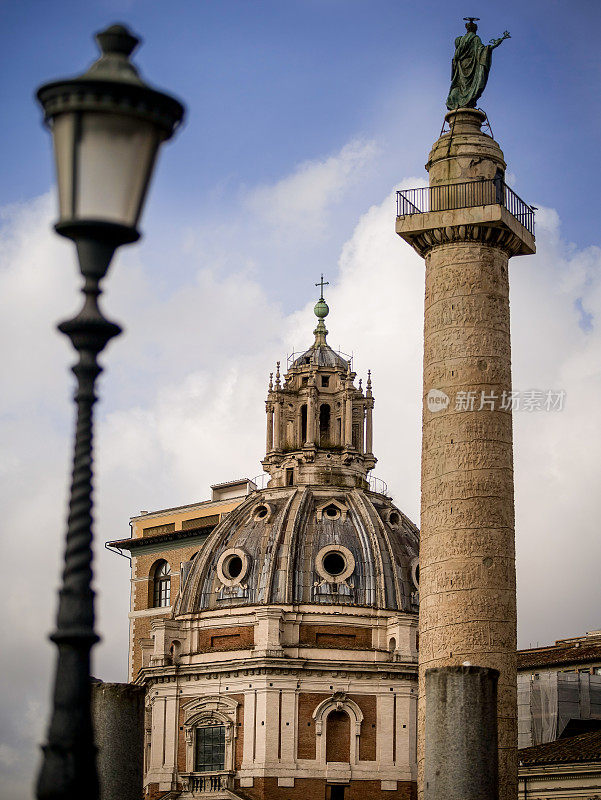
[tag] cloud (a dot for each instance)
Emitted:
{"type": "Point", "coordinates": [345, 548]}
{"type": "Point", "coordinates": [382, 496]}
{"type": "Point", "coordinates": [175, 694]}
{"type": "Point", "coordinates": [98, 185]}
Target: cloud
{"type": "Point", "coordinates": [182, 400]}
{"type": "Point", "coordinates": [305, 198]}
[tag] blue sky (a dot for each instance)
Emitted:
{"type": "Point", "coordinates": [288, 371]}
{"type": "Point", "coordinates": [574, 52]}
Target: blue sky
{"type": "Point", "coordinates": [303, 119]}
{"type": "Point", "coordinates": [274, 82]}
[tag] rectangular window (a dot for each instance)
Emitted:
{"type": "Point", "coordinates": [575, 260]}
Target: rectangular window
{"type": "Point", "coordinates": [304, 381]}
{"type": "Point", "coordinates": [325, 380]}
{"type": "Point", "coordinates": [162, 592]}
{"type": "Point", "coordinates": [289, 476]}
{"type": "Point", "coordinates": [210, 749]}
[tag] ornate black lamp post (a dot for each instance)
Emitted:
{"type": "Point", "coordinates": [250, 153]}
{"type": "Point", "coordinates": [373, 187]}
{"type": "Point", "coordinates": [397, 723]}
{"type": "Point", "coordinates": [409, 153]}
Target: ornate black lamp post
{"type": "Point", "coordinates": [107, 126]}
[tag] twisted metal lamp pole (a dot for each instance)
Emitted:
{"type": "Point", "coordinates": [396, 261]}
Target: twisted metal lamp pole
{"type": "Point", "coordinates": [107, 126]}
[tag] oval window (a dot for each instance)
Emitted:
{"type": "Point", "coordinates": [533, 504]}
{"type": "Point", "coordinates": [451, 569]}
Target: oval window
{"type": "Point", "coordinates": [232, 566]}
{"type": "Point", "coordinates": [262, 513]}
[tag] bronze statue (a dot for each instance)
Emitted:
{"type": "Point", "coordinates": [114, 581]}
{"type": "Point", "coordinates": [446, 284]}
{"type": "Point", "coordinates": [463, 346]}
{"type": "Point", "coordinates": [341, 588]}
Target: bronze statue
{"type": "Point", "coordinates": [471, 64]}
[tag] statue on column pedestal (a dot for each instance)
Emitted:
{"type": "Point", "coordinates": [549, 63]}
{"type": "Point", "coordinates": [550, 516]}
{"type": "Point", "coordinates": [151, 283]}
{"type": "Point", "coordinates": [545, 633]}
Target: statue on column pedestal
{"type": "Point", "coordinates": [471, 65]}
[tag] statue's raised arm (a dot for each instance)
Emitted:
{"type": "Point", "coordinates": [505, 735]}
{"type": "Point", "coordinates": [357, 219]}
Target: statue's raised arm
{"type": "Point", "coordinates": [470, 67]}
{"type": "Point", "coordinates": [496, 42]}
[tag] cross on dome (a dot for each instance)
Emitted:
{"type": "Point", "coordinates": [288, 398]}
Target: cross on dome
{"type": "Point", "coordinates": [322, 283]}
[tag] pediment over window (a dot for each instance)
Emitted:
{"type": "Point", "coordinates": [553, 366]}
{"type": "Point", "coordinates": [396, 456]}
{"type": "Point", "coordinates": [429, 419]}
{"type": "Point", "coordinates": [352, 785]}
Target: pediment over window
{"type": "Point", "coordinates": [215, 706]}
{"type": "Point", "coordinates": [331, 509]}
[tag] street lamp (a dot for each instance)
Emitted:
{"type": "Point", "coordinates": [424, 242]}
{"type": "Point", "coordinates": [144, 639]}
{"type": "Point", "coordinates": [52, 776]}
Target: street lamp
{"type": "Point", "coordinates": [107, 126]}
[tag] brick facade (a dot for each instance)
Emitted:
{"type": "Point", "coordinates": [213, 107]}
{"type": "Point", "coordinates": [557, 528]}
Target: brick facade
{"type": "Point", "coordinates": [341, 637]}
{"type": "Point", "coordinates": [316, 789]}
{"type": "Point", "coordinates": [220, 639]}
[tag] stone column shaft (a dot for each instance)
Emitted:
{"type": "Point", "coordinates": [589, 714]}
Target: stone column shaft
{"type": "Point", "coordinates": [467, 552]}
{"type": "Point", "coordinates": [461, 734]}
{"type": "Point", "coordinates": [369, 433]}
{"type": "Point", "coordinates": [277, 426]}
{"type": "Point", "coordinates": [269, 442]}
{"type": "Point", "coordinates": [348, 423]}
{"type": "Point", "coordinates": [361, 439]}
{"type": "Point", "coordinates": [311, 419]}
{"type": "Point", "coordinates": [118, 715]}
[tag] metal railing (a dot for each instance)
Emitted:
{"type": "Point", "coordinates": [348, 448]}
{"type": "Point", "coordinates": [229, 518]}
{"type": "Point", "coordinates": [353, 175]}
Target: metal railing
{"type": "Point", "coordinates": [465, 195]}
{"type": "Point", "coordinates": [261, 480]}
{"type": "Point", "coordinates": [298, 353]}
{"type": "Point", "coordinates": [377, 485]}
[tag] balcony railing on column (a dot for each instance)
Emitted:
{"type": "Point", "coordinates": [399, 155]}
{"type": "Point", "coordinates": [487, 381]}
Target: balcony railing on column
{"type": "Point", "coordinates": [465, 195]}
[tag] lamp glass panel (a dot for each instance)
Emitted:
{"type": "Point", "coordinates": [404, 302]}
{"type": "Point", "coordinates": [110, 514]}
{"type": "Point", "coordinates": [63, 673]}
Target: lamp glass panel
{"type": "Point", "coordinates": [63, 135]}
{"type": "Point", "coordinates": [115, 159]}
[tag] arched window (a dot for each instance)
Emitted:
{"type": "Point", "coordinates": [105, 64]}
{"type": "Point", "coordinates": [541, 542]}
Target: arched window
{"type": "Point", "coordinates": [210, 730]}
{"type": "Point", "coordinates": [324, 423]}
{"type": "Point", "coordinates": [162, 585]}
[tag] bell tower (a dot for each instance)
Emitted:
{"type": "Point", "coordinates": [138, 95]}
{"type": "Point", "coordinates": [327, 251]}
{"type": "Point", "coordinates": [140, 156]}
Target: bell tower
{"type": "Point", "coordinates": [319, 424]}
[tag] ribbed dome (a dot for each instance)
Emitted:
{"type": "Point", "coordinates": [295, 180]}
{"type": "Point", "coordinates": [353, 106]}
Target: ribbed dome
{"type": "Point", "coordinates": [324, 545]}
{"type": "Point", "coordinates": [321, 356]}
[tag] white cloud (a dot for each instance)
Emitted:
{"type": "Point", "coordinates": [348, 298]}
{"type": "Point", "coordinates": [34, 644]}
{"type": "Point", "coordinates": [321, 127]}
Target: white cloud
{"type": "Point", "coordinates": [182, 403]}
{"type": "Point", "coordinates": [304, 198]}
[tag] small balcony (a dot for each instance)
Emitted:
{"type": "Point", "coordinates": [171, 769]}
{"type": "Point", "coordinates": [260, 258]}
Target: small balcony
{"type": "Point", "coordinates": [452, 196]}
{"type": "Point", "coordinates": [488, 203]}
{"type": "Point", "coordinates": [208, 783]}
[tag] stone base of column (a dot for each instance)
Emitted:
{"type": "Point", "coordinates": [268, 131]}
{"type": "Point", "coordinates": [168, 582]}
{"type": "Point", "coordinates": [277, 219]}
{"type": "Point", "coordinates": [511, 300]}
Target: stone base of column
{"type": "Point", "coordinates": [461, 760]}
{"type": "Point", "coordinates": [118, 718]}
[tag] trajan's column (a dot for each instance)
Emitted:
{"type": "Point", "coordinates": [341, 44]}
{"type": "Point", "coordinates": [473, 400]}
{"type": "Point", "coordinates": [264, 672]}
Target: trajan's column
{"type": "Point", "coordinates": [466, 226]}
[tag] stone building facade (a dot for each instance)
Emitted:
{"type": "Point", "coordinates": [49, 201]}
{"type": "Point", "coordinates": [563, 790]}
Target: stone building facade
{"type": "Point", "coordinates": [162, 546]}
{"type": "Point", "coordinates": [285, 664]}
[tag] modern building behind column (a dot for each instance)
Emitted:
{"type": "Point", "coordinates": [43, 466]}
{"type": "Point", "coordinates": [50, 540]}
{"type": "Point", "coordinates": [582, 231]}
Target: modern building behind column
{"type": "Point", "coordinates": [275, 629]}
{"type": "Point", "coordinates": [559, 719]}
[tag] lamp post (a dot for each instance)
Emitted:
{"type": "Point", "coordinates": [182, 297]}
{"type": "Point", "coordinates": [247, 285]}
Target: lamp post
{"type": "Point", "coordinates": [107, 126]}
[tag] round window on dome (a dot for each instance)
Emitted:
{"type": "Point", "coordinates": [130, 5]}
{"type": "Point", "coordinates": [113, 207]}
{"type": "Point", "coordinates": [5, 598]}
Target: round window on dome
{"type": "Point", "coordinates": [232, 566]}
{"type": "Point", "coordinates": [335, 563]}
{"type": "Point", "coordinates": [415, 572]}
{"type": "Point", "coordinates": [262, 512]}
{"type": "Point", "coordinates": [394, 518]}
{"type": "Point", "coordinates": [331, 511]}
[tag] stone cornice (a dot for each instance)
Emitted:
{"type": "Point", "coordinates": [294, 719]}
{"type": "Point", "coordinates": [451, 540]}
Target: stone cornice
{"type": "Point", "coordinates": [280, 666]}
{"type": "Point", "coordinates": [502, 238]}
{"type": "Point", "coordinates": [162, 538]}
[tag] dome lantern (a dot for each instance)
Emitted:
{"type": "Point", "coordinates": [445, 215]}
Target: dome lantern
{"type": "Point", "coordinates": [318, 421]}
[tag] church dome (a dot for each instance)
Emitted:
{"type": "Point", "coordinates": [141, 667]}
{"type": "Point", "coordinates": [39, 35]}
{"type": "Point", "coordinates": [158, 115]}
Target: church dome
{"type": "Point", "coordinates": [320, 355]}
{"type": "Point", "coordinates": [307, 545]}
{"type": "Point", "coordinates": [316, 534]}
